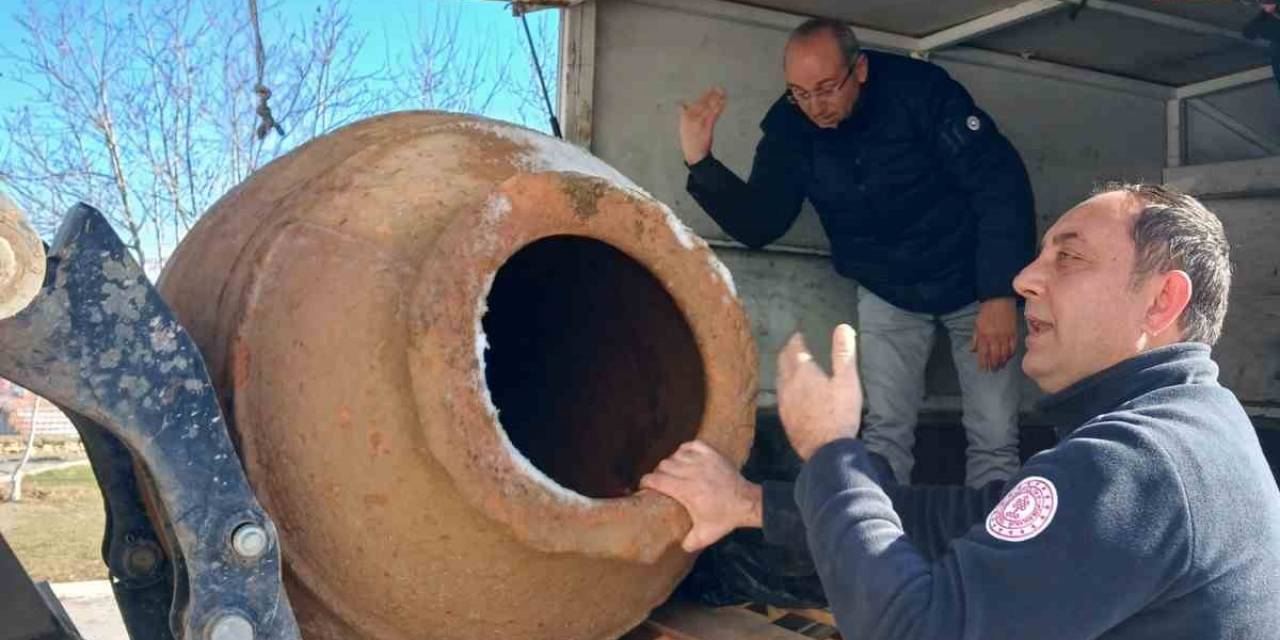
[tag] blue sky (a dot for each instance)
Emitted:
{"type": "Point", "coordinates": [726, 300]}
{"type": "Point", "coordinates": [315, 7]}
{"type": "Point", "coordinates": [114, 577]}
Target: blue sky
{"type": "Point", "coordinates": [485, 29]}
{"type": "Point", "coordinates": [490, 21]}
{"type": "Point", "coordinates": [384, 21]}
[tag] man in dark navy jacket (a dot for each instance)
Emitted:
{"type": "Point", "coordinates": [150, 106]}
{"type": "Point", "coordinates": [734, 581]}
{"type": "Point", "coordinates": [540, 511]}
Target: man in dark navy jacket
{"type": "Point", "coordinates": [1266, 25]}
{"type": "Point", "coordinates": [926, 205]}
{"type": "Point", "coordinates": [1155, 516]}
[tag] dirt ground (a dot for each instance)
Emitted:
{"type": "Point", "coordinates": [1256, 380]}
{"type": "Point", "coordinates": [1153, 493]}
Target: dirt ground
{"type": "Point", "coordinates": [56, 531]}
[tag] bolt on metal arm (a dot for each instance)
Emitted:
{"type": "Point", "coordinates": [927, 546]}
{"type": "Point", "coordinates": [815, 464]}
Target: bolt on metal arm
{"type": "Point", "coordinates": [100, 343]}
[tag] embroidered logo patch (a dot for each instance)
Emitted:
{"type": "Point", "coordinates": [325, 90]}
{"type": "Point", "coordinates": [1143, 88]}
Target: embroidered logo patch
{"type": "Point", "coordinates": [974, 123]}
{"type": "Point", "coordinates": [1025, 511]}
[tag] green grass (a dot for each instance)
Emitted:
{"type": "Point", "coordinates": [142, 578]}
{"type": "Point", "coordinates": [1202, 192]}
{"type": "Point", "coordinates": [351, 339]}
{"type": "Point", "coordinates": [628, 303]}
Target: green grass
{"type": "Point", "coordinates": [79, 475]}
{"type": "Point", "coordinates": [56, 531]}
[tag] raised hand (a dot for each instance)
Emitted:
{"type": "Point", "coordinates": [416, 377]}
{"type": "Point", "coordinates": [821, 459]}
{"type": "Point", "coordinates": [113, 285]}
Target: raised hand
{"type": "Point", "coordinates": [698, 123]}
{"type": "Point", "coordinates": [816, 408]}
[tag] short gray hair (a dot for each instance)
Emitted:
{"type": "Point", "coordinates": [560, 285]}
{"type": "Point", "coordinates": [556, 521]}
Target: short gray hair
{"type": "Point", "coordinates": [1176, 231]}
{"type": "Point", "coordinates": [843, 33]}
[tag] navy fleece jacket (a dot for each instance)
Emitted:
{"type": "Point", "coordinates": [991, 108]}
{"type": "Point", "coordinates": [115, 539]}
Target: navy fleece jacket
{"type": "Point", "coordinates": [1156, 516]}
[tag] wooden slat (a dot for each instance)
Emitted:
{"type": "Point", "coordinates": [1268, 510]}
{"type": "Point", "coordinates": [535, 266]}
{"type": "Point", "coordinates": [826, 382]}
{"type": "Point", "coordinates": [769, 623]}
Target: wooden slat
{"type": "Point", "coordinates": [578, 72]}
{"type": "Point", "coordinates": [817, 615]}
{"type": "Point", "coordinates": [807, 627]}
{"type": "Point", "coordinates": [681, 621]}
{"type": "Point", "coordinates": [644, 633]}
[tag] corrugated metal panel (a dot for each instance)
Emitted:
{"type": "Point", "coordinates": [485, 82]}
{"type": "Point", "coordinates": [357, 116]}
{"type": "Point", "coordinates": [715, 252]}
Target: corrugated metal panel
{"type": "Point", "coordinates": [1100, 39]}
{"type": "Point", "coordinates": [1126, 46]}
{"type": "Point", "coordinates": [1231, 15]}
{"type": "Point", "coordinates": [908, 17]}
{"type": "Point", "coordinates": [1257, 105]}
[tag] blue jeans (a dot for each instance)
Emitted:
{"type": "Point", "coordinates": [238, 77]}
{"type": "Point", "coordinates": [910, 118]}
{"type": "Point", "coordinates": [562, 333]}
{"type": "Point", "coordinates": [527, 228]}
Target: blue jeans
{"type": "Point", "coordinates": [893, 349]}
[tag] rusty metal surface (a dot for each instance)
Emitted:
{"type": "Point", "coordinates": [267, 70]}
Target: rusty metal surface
{"type": "Point", "coordinates": [100, 343]}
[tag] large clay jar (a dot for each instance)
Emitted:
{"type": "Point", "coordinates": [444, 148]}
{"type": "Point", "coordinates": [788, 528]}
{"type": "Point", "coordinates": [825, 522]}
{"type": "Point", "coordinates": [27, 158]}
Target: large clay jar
{"type": "Point", "coordinates": [449, 348]}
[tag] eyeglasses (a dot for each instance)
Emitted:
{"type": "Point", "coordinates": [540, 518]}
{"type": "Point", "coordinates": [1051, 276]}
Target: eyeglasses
{"type": "Point", "coordinates": [801, 97]}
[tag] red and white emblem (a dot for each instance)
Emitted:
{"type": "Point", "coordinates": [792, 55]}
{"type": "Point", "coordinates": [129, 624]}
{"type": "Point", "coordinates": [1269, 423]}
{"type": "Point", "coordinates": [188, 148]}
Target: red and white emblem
{"type": "Point", "coordinates": [1025, 511]}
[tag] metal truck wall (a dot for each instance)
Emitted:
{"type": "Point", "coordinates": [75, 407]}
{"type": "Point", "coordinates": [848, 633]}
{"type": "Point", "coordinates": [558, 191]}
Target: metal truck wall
{"type": "Point", "coordinates": [1238, 124]}
{"type": "Point", "coordinates": [1249, 350]}
{"type": "Point", "coordinates": [649, 57]}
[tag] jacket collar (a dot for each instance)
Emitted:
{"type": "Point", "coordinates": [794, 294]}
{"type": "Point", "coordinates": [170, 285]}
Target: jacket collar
{"type": "Point", "coordinates": [1175, 364]}
{"type": "Point", "coordinates": [868, 102]}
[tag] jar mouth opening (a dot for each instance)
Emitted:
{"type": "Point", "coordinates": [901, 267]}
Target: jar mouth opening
{"type": "Point", "coordinates": [600, 300]}
{"type": "Point", "coordinates": [592, 368]}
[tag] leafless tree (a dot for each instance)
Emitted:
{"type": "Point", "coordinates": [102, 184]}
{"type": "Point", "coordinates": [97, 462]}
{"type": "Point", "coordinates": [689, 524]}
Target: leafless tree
{"type": "Point", "coordinates": [146, 108]}
{"type": "Point", "coordinates": [320, 68]}
{"type": "Point", "coordinates": [70, 62]}
{"type": "Point", "coordinates": [15, 478]}
{"type": "Point", "coordinates": [172, 42]}
{"type": "Point", "coordinates": [444, 71]}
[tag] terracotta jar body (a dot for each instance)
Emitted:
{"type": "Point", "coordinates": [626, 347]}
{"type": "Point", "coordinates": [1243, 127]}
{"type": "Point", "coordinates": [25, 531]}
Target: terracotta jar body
{"type": "Point", "coordinates": [449, 348]}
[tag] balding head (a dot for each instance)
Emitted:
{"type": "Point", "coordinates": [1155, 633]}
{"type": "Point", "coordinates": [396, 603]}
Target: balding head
{"type": "Point", "coordinates": [840, 34]}
{"type": "Point", "coordinates": [824, 69]}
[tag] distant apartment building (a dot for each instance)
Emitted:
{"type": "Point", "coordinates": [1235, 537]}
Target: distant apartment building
{"type": "Point", "coordinates": [21, 410]}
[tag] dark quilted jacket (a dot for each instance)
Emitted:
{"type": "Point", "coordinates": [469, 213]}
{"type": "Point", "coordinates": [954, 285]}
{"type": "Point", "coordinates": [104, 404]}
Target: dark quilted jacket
{"type": "Point", "coordinates": [924, 201]}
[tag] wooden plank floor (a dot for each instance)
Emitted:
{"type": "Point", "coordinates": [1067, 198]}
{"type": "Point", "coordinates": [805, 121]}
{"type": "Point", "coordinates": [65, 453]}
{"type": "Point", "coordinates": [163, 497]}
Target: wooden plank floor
{"type": "Point", "coordinates": [685, 621]}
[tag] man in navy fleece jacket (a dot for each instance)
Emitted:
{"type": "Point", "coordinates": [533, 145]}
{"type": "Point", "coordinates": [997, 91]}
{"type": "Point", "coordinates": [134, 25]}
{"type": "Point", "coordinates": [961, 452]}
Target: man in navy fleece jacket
{"type": "Point", "coordinates": [1156, 515]}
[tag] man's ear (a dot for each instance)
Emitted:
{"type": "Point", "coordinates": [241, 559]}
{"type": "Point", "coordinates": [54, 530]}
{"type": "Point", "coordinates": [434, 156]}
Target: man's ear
{"type": "Point", "coordinates": [860, 68]}
{"type": "Point", "coordinates": [1172, 298]}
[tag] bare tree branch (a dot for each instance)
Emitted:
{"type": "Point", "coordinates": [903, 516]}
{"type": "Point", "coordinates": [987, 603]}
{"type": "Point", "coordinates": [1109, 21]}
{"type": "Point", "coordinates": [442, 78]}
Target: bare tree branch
{"type": "Point", "coordinates": [145, 108]}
